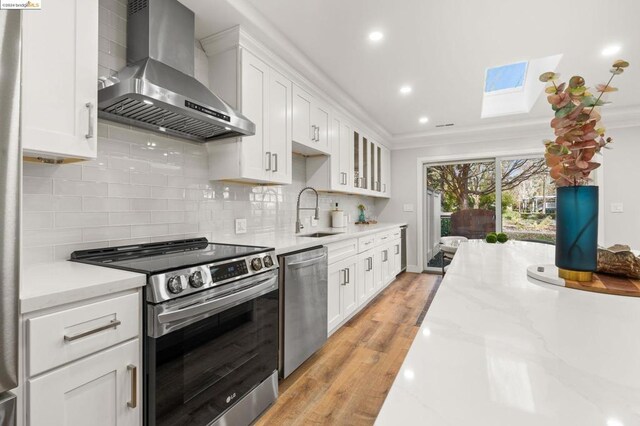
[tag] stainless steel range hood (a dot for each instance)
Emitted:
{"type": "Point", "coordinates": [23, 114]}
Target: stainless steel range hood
{"type": "Point", "coordinates": [158, 90]}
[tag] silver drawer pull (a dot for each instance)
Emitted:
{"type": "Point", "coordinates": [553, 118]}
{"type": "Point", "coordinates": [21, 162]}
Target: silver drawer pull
{"type": "Point", "coordinates": [89, 134]}
{"type": "Point", "coordinates": [133, 402]}
{"type": "Point", "coordinates": [268, 154]}
{"type": "Point", "coordinates": [112, 324]}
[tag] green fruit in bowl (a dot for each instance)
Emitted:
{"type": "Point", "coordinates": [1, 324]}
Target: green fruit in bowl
{"type": "Point", "coordinates": [491, 238]}
{"type": "Point", "coordinates": [502, 237]}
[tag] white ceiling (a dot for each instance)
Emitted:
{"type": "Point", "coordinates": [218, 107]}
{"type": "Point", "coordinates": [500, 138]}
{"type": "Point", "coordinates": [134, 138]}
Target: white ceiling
{"type": "Point", "coordinates": [441, 48]}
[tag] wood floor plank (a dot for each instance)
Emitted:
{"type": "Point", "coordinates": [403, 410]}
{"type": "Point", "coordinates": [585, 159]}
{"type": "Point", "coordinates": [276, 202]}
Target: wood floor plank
{"type": "Point", "coordinates": [347, 380]}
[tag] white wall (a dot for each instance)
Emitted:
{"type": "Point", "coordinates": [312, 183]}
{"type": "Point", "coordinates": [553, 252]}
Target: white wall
{"type": "Point", "coordinates": [622, 185]}
{"type": "Point", "coordinates": [621, 178]}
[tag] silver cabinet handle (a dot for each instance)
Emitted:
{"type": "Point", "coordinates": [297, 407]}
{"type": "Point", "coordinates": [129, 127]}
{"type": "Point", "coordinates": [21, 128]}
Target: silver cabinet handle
{"type": "Point", "coordinates": [343, 281]}
{"type": "Point", "coordinates": [112, 324]}
{"type": "Point", "coordinates": [386, 255]}
{"type": "Point", "coordinates": [275, 162]}
{"type": "Point", "coordinates": [313, 132]}
{"type": "Point", "coordinates": [89, 106]}
{"type": "Point", "coordinates": [268, 154]}
{"type": "Point", "coordinates": [348, 275]}
{"type": "Point", "coordinates": [317, 133]}
{"type": "Point", "coordinates": [397, 248]}
{"type": "Point", "coordinates": [133, 402]}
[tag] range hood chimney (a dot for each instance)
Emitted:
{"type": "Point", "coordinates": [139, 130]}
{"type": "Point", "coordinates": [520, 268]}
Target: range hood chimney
{"type": "Point", "coordinates": [157, 90]}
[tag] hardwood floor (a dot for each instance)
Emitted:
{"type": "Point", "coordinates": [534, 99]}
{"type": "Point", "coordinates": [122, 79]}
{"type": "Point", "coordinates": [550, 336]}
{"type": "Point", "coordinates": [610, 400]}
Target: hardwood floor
{"type": "Point", "coordinates": [346, 382]}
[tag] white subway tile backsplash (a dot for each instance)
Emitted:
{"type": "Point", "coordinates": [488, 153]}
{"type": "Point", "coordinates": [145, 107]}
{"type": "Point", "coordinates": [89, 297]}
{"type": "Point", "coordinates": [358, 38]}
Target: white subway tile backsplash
{"type": "Point", "coordinates": [149, 204]}
{"type": "Point", "coordinates": [129, 191]}
{"type": "Point", "coordinates": [50, 237]}
{"type": "Point", "coordinates": [154, 230]}
{"type": "Point", "coordinates": [105, 204]}
{"type": "Point", "coordinates": [37, 220]}
{"type": "Point", "coordinates": [37, 185]}
{"type": "Point", "coordinates": [70, 187]}
{"type": "Point", "coordinates": [169, 217]}
{"type": "Point", "coordinates": [102, 174]}
{"type": "Point", "coordinates": [106, 233]}
{"type": "Point", "coordinates": [81, 220]}
{"type": "Point", "coordinates": [129, 218]}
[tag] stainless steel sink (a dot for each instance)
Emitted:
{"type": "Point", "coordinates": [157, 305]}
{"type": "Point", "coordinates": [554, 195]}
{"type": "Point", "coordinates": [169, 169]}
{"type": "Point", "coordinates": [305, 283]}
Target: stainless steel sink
{"type": "Point", "coordinates": [319, 234]}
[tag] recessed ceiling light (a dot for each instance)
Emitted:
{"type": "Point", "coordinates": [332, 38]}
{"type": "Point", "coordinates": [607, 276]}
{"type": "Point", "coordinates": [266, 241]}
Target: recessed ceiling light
{"type": "Point", "coordinates": [376, 36]}
{"type": "Point", "coordinates": [611, 50]}
{"type": "Point", "coordinates": [405, 90]}
{"type": "Point", "coordinates": [423, 120]}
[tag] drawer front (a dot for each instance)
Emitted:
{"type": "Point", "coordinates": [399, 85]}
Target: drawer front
{"type": "Point", "coordinates": [383, 238]}
{"type": "Point", "coordinates": [342, 250]}
{"type": "Point", "coordinates": [366, 243]}
{"type": "Point", "coordinates": [65, 336]}
{"type": "Point", "coordinates": [395, 234]}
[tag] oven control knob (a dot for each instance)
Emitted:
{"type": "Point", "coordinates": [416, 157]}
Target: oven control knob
{"type": "Point", "coordinates": [256, 264]}
{"type": "Point", "coordinates": [174, 285]}
{"type": "Point", "coordinates": [196, 280]}
{"type": "Point", "coordinates": [268, 261]}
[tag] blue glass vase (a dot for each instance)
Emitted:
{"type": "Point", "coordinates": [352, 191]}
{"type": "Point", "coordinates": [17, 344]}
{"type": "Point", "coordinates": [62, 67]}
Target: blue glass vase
{"type": "Point", "coordinates": [577, 228]}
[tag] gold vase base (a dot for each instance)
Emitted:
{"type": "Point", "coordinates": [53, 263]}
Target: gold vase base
{"type": "Point", "coordinates": [570, 275]}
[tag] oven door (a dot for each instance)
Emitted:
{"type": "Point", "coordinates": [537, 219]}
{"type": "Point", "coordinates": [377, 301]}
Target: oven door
{"type": "Point", "coordinates": [205, 353]}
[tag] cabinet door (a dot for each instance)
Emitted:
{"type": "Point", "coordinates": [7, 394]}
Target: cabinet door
{"type": "Point", "coordinates": [378, 268]}
{"type": "Point", "coordinates": [386, 172]}
{"type": "Point", "coordinates": [279, 112]}
{"type": "Point", "coordinates": [349, 297]}
{"type": "Point", "coordinates": [346, 155]}
{"type": "Point", "coordinates": [255, 83]}
{"type": "Point", "coordinates": [102, 389]}
{"type": "Point", "coordinates": [335, 279]}
{"type": "Point", "coordinates": [321, 121]}
{"type": "Point", "coordinates": [59, 80]}
{"type": "Point", "coordinates": [303, 127]}
{"type": "Point", "coordinates": [366, 278]}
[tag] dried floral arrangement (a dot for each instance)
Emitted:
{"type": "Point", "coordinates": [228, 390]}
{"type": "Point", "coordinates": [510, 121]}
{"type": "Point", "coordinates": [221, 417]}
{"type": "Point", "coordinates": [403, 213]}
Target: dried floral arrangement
{"type": "Point", "coordinates": [578, 137]}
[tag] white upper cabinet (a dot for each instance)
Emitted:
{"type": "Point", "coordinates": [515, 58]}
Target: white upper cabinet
{"type": "Point", "coordinates": [291, 116]}
{"type": "Point", "coordinates": [334, 173]}
{"type": "Point", "coordinates": [310, 123]}
{"type": "Point", "coordinates": [59, 81]}
{"type": "Point", "coordinates": [264, 96]}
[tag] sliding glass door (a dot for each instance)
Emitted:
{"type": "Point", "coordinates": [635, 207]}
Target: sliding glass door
{"type": "Point", "coordinates": [472, 198]}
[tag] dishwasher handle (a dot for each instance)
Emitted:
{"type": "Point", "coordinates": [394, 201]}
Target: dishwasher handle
{"type": "Point", "coordinates": [308, 261]}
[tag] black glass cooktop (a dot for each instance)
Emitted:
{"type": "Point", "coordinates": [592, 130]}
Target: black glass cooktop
{"type": "Point", "coordinates": [155, 258]}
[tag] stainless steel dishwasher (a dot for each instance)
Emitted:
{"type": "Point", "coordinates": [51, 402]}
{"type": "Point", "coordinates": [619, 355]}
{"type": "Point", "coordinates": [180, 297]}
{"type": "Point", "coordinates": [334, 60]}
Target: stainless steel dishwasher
{"type": "Point", "coordinates": [303, 306]}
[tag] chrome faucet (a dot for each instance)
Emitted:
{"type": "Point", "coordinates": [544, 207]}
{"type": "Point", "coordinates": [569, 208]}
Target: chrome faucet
{"type": "Point", "coordinates": [298, 208]}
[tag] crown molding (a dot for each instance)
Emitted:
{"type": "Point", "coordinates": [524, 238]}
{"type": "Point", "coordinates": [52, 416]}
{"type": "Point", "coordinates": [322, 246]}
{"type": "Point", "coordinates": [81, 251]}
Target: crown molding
{"type": "Point", "coordinates": [517, 130]}
{"type": "Point", "coordinates": [311, 75]}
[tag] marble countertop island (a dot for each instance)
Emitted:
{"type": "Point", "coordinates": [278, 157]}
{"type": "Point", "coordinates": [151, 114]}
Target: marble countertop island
{"type": "Point", "coordinates": [498, 349]}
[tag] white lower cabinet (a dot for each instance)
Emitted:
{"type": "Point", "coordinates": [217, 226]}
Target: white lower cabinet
{"type": "Point", "coordinates": [84, 363]}
{"type": "Point", "coordinates": [342, 291]}
{"type": "Point", "coordinates": [103, 389]}
{"type": "Point", "coordinates": [358, 270]}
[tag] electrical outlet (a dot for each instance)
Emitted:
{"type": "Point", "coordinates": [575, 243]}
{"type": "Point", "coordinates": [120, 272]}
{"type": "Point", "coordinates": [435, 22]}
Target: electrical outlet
{"type": "Point", "coordinates": [617, 208]}
{"type": "Point", "coordinates": [408, 207]}
{"type": "Point", "coordinates": [241, 226]}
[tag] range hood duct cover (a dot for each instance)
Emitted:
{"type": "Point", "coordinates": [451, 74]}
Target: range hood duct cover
{"type": "Point", "coordinates": [158, 90]}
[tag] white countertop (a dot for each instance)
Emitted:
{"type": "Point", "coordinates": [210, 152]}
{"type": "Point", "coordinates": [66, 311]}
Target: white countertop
{"type": "Point", "coordinates": [286, 243]}
{"type": "Point", "coordinates": [496, 349]}
{"type": "Point", "coordinates": [52, 284]}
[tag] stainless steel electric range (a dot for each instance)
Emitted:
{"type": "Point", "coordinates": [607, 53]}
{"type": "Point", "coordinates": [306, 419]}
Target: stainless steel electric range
{"type": "Point", "coordinates": [211, 320]}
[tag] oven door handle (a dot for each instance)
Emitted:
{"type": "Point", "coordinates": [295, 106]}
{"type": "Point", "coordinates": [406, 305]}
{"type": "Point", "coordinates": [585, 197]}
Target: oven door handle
{"type": "Point", "coordinates": [220, 303]}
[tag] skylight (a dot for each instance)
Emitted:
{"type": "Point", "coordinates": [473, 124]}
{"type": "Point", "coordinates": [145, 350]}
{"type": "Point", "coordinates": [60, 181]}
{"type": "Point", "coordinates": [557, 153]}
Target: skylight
{"type": "Point", "coordinates": [505, 77]}
{"type": "Point", "coordinates": [514, 88]}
